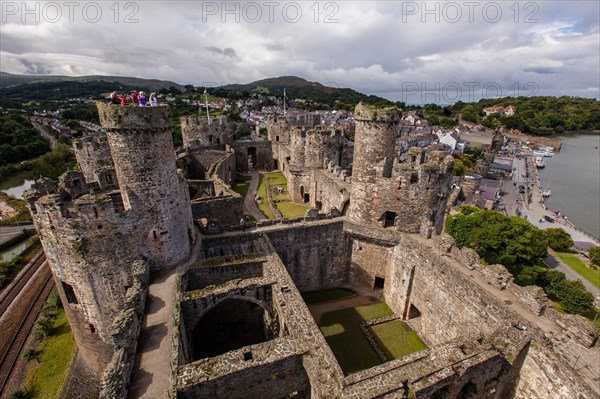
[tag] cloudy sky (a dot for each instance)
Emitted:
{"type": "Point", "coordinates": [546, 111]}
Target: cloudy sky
{"type": "Point", "coordinates": [439, 51]}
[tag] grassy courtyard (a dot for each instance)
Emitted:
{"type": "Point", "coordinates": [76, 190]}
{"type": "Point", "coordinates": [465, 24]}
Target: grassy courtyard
{"type": "Point", "coordinates": [353, 351]}
{"type": "Point", "coordinates": [241, 185]}
{"type": "Point", "coordinates": [288, 209]}
{"type": "Point", "coordinates": [591, 275]}
{"type": "Point", "coordinates": [397, 339]}
{"type": "Point", "coordinates": [291, 210]}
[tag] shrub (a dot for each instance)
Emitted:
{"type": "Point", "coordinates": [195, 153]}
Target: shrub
{"type": "Point", "coordinates": [30, 354]}
{"type": "Point", "coordinates": [558, 239]}
{"type": "Point", "coordinates": [17, 394]}
{"type": "Point", "coordinates": [595, 255]}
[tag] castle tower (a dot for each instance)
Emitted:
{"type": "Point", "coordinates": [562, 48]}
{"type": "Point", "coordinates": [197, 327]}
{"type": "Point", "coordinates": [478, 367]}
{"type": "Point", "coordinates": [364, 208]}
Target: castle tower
{"type": "Point", "coordinates": [92, 248]}
{"type": "Point", "coordinates": [374, 142]}
{"type": "Point", "coordinates": [142, 150]}
{"type": "Point", "coordinates": [196, 132]}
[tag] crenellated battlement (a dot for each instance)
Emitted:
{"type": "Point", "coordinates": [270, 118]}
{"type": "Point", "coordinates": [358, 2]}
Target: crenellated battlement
{"type": "Point", "coordinates": [371, 114]}
{"type": "Point", "coordinates": [199, 132]}
{"type": "Point", "coordinates": [114, 117]}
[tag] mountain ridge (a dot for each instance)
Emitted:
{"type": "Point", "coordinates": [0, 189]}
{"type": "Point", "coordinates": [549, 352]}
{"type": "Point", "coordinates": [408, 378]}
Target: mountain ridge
{"type": "Point", "coordinates": [9, 79]}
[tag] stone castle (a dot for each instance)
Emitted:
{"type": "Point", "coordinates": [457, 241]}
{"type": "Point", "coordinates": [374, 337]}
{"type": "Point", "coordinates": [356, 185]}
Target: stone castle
{"type": "Point", "coordinates": [136, 209]}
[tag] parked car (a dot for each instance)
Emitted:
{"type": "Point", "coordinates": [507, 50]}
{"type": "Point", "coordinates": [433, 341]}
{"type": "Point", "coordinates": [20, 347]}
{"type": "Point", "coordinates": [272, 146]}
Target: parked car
{"type": "Point", "coordinates": [549, 219]}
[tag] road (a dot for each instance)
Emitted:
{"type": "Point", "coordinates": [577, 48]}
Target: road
{"type": "Point", "coordinates": [249, 203]}
{"type": "Point", "coordinates": [512, 201]}
{"type": "Point", "coordinates": [9, 233]}
{"type": "Point", "coordinates": [556, 264]}
{"type": "Point", "coordinates": [49, 137]}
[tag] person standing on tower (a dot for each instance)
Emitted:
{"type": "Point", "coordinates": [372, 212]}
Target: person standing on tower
{"type": "Point", "coordinates": [152, 100]}
{"type": "Point", "coordinates": [134, 97]}
{"type": "Point", "coordinates": [142, 99]}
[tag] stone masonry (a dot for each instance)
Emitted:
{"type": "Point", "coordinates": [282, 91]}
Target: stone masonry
{"type": "Point", "coordinates": [240, 327]}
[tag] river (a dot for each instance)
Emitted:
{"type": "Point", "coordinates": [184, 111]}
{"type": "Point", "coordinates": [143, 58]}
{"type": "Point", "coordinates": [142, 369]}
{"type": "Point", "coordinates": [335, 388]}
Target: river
{"type": "Point", "coordinates": [573, 175]}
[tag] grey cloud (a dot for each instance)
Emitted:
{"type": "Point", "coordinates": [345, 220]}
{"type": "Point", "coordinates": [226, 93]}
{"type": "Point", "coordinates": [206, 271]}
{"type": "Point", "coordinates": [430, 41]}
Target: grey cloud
{"type": "Point", "coordinates": [36, 68]}
{"type": "Point", "coordinates": [541, 70]}
{"type": "Point", "coordinates": [226, 52]}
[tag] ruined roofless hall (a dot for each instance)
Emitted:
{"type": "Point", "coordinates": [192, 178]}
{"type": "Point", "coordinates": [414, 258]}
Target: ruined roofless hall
{"type": "Point", "coordinates": [127, 217]}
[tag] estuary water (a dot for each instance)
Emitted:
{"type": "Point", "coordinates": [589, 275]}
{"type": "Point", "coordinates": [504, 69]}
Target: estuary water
{"type": "Point", "coordinates": [573, 175]}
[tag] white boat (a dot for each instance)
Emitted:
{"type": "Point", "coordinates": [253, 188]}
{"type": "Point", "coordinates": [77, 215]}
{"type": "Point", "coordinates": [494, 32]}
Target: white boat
{"type": "Point", "coordinates": [539, 163]}
{"type": "Point", "coordinates": [546, 193]}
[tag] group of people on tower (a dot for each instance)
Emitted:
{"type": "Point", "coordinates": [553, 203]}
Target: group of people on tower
{"type": "Point", "coordinates": [136, 98]}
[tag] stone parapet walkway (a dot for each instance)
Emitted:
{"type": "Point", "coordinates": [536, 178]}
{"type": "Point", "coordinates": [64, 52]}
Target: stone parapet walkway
{"type": "Point", "coordinates": [151, 373]}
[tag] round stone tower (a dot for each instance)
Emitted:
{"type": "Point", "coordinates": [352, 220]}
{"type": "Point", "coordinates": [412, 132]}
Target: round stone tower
{"type": "Point", "coordinates": [141, 146]}
{"type": "Point", "coordinates": [94, 253]}
{"type": "Point", "coordinates": [374, 142]}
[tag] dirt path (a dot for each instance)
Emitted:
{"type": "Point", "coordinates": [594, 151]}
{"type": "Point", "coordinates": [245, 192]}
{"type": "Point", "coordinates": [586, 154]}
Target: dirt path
{"type": "Point", "coordinates": [318, 309]}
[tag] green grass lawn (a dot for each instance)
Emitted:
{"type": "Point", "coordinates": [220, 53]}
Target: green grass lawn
{"type": "Point", "coordinates": [347, 341]}
{"type": "Point", "coordinates": [288, 209]}
{"type": "Point", "coordinates": [261, 192]}
{"type": "Point", "coordinates": [291, 210]}
{"type": "Point", "coordinates": [397, 339]}
{"type": "Point", "coordinates": [591, 275]}
{"type": "Point", "coordinates": [240, 187]}
{"type": "Point", "coordinates": [56, 358]}
{"type": "Point", "coordinates": [326, 295]}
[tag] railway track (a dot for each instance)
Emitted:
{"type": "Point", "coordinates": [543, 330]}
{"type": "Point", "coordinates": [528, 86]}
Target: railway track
{"type": "Point", "coordinates": [15, 287]}
{"type": "Point", "coordinates": [16, 340]}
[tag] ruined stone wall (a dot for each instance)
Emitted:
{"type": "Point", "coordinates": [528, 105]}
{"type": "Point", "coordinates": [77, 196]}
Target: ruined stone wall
{"type": "Point", "coordinates": [314, 256]}
{"type": "Point", "coordinates": [243, 152]}
{"type": "Point", "coordinates": [223, 206]}
{"type": "Point", "coordinates": [281, 156]}
{"type": "Point", "coordinates": [331, 191]}
{"type": "Point", "coordinates": [279, 127]}
{"type": "Point", "coordinates": [315, 148]}
{"type": "Point", "coordinates": [300, 182]}
{"type": "Point", "coordinates": [438, 287]}
{"type": "Point", "coordinates": [369, 260]}
{"type": "Point", "coordinates": [214, 247]}
{"type": "Point", "coordinates": [271, 379]}
{"type": "Point", "coordinates": [543, 376]}
{"type": "Point", "coordinates": [208, 274]}
{"type": "Point", "coordinates": [200, 160]}
{"type": "Point", "coordinates": [227, 209]}
{"type": "Point", "coordinates": [197, 132]}
{"type": "Point", "coordinates": [93, 154]}
{"type": "Point", "coordinates": [142, 149]}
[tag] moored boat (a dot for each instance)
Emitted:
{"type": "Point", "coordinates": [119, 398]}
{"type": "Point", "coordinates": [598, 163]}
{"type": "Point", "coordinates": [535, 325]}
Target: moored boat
{"type": "Point", "coordinates": [539, 163]}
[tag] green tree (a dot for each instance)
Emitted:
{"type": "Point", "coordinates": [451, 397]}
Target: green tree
{"type": "Point", "coordinates": [558, 239]}
{"type": "Point", "coordinates": [595, 255]}
{"type": "Point", "coordinates": [497, 238]}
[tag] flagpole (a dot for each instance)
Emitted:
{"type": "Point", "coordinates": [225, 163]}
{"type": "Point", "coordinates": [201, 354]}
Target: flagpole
{"type": "Point", "coordinates": [284, 102]}
{"type": "Point", "coordinates": [206, 99]}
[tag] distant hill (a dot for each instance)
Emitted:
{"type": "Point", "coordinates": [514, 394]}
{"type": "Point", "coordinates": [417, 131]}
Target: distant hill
{"type": "Point", "coordinates": [9, 79]}
{"type": "Point", "coordinates": [298, 88]}
{"type": "Point", "coordinates": [51, 91]}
